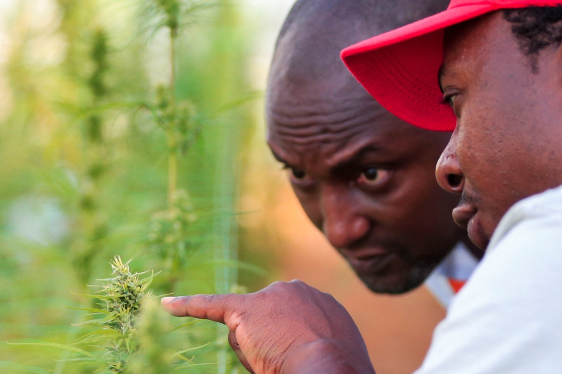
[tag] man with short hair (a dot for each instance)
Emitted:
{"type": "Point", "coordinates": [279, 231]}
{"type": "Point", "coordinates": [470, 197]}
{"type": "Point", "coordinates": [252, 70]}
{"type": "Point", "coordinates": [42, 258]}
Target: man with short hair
{"type": "Point", "coordinates": [498, 64]}
{"type": "Point", "coordinates": [364, 177]}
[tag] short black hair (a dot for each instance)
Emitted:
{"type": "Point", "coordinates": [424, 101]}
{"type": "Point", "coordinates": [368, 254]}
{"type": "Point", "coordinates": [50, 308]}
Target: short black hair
{"type": "Point", "coordinates": [315, 32]}
{"type": "Point", "coordinates": [535, 28]}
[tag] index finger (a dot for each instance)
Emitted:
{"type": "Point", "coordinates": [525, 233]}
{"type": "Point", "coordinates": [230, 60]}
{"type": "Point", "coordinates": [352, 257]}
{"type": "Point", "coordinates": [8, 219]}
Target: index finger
{"type": "Point", "coordinates": [218, 308]}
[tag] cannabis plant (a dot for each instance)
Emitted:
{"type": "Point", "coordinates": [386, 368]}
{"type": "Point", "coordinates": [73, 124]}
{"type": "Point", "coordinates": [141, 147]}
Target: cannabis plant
{"type": "Point", "coordinates": [119, 305]}
{"type": "Point", "coordinates": [133, 332]}
{"type": "Point", "coordinates": [121, 299]}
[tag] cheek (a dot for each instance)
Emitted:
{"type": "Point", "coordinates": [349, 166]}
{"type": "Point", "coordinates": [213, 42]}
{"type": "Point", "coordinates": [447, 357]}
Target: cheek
{"type": "Point", "coordinates": [421, 215]}
{"type": "Point", "coordinates": [478, 147]}
{"type": "Point", "coordinates": [420, 202]}
{"type": "Point", "coordinates": [487, 151]}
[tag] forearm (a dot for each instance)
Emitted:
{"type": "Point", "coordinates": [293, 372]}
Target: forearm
{"type": "Point", "coordinates": [328, 357]}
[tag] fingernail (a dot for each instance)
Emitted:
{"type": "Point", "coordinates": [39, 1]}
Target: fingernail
{"type": "Point", "coordinates": [166, 300]}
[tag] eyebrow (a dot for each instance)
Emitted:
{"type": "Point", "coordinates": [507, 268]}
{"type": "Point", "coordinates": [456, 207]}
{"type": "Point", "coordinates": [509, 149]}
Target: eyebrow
{"type": "Point", "coordinates": [278, 158]}
{"type": "Point", "coordinates": [345, 163]}
{"type": "Point", "coordinates": [358, 155]}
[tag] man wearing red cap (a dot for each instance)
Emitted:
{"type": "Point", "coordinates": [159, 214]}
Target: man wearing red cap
{"type": "Point", "coordinates": [497, 64]}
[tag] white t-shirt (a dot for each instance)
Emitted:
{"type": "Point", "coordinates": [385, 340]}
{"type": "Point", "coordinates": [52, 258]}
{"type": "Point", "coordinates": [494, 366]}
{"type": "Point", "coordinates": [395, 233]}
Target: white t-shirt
{"type": "Point", "coordinates": [508, 317]}
{"type": "Point", "coordinates": [458, 266]}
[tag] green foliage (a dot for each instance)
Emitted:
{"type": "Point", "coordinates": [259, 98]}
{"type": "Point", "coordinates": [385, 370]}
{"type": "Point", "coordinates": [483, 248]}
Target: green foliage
{"type": "Point", "coordinates": [173, 14]}
{"type": "Point", "coordinates": [99, 56]}
{"type": "Point", "coordinates": [111, 145]}
{"type": "Point", "coordinates": [156, 354]}
{"type": "Point", "coordinates": [170, 228]}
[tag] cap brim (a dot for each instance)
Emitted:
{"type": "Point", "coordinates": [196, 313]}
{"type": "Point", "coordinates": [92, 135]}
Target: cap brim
{"type": "Point", "coordinates": [400, 68]}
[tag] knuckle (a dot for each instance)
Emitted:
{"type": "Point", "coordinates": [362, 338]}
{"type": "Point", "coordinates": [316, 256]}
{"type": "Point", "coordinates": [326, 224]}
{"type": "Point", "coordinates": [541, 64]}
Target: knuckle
{"type": "Point", "coordinates": [330, 298]}
{"type": "Point", "coordinates": [200, 299]}
{"type": "Point", "coordinates": [297, 282]}
{"type": "Point", "coordinates": [276, 286]}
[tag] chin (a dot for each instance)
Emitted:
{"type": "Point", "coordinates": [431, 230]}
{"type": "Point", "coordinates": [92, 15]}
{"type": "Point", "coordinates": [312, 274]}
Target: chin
{"type": "Point", "coordinates": [477, 235]}
{"type": "Point", "coordinates": [399, 283]}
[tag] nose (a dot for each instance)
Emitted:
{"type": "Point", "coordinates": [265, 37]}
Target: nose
{"type": "Point", "coordinates": [343, 224]}
{"type": "Point", "coordinates": [448, 171]}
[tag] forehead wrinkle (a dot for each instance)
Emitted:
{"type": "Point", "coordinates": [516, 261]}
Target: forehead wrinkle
{"type": "Point", "coordinates": [314, 126]}
{"type": "Point", "coordinates": [322, 116]}
{"type": "Point", "coordinates": [316, 138]}
{"type": "Point", "coordinates": [317, 127]}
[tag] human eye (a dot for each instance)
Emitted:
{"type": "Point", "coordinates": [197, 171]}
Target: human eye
{"type": "Point", "coordinates": [373, 177]}
{"type": "Point", "coordinates": [450, 99]}
{"type": "Point", "coordinates": [296, 175]}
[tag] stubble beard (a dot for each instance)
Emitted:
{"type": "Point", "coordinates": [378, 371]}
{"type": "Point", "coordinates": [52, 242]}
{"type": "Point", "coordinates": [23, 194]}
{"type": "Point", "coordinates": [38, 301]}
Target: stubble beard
{"type": "Point", "coordinates": [416, 277]}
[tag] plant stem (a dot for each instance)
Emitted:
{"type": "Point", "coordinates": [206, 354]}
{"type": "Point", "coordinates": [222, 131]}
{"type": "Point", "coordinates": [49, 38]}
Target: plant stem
{"type": "Point", "coordinates": [173, 38]}
{"type": "Point", "coordinates": [172, 167]}
{"type": "Point", "coordinates": [172, 133]}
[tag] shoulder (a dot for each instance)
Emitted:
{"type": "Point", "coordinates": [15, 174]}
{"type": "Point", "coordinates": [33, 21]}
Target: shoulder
{"type": "Point", "coordinates": [541, 211]}
{"type": "Point", "coordinates": [511, 305]}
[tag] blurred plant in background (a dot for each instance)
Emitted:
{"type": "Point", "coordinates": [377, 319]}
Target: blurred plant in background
{"type": "Point", "coordinates": [121, 133]}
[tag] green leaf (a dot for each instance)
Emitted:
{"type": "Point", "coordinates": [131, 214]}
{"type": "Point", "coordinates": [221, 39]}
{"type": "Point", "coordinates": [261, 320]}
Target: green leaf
{"type": "Point", "coordinates": [101, 297]}
{"type": "Point", "coordinates": [191, 365]}
{"type": "Point", "coordinates": [61, 346]}
{"type": "Point", "coordinates": [97, 321]}
{"type": "Point", "coordinates": [92, 310]}
{"type": "Point", "coordinates": [185, 324]}
{"type": "Point", "coordinates": [189, 349]}
{"type": "Point", "coordinates": [95, 334]}
{"type": "Point", "coordinates": [79, 359]}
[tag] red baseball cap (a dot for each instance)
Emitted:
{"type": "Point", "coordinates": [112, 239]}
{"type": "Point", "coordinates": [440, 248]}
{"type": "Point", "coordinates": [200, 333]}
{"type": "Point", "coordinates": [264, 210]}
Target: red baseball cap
{"type": "Point", "coordinates": [400, 68]}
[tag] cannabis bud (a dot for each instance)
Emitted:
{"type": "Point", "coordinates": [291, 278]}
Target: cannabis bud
{"type": "Point", "coordinates": [122, 295]}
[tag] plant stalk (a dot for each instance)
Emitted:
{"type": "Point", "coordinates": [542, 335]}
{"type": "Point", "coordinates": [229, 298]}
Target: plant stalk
{"type": "Point", "coordinates": [172, 133]}
{"type": "Point", "coordinates": [172, 167]}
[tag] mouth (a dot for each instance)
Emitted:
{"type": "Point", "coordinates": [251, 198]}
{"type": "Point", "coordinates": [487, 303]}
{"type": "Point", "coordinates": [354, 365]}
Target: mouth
{"type": "Point", "coordinates": [368, 261]}
{"type": "Point", "coordinates": [462, 215]}
{"type": "Point", "coordinates": [466, 216]}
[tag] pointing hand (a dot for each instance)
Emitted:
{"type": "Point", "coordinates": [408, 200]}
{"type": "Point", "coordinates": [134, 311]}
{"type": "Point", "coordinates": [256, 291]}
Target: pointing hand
{"type": "Point", "coordinates": [282, 329]}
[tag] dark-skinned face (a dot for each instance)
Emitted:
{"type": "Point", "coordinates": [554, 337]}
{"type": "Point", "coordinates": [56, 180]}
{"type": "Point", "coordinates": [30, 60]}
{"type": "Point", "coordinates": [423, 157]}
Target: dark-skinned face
{"type": "Point", "coordinates": [365, 179]}
{"type": "Point", "coordinates": [506, 145]}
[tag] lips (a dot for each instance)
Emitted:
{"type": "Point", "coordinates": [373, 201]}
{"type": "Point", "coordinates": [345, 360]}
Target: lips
{"type": "Point", "coordinates": [466, 217]}
{"type": "Point", "coordinates": [462, 215]}
{"type": "Point", "coordinates": [368, 261]}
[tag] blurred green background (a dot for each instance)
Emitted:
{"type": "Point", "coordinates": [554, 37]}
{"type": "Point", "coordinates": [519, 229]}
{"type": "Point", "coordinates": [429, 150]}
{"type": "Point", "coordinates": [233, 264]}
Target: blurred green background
{"type": "Point", "coordinates": [113, 142]}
